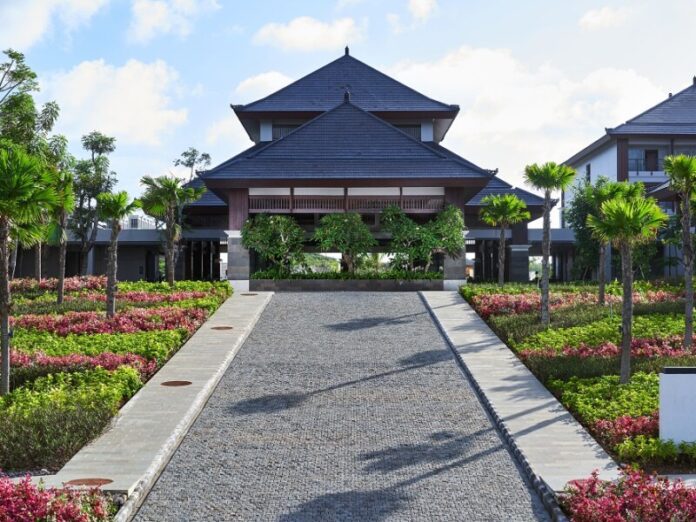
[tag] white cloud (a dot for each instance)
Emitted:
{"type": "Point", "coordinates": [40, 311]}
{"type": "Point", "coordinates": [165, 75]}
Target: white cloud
{"type": "Point", "coordinates": [151, 18]}
{"type": "Point", "coordinates": [309, 34]}
{"type": "Point", "coordinates": [131, 102]}
{"type": "Point", "coordinates": [421, 9]}
{"type": "Point", "coordinates": [394, 21]}
{"type": "Point", "coordinates": [26, 22]}
{"type": "Point", "coordinates": [512, 114]}
{"type": "Point", "coordinates": [261, 85]}
{"type": "Point", "coordinates": [229, 134]}
{"type": "Point", "coordinates": [604, 18]}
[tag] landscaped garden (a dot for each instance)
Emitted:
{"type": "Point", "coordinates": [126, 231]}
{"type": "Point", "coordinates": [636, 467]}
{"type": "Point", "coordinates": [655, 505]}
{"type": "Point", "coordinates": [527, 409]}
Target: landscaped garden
{"type": "Point", "coordinates": [73, 367]}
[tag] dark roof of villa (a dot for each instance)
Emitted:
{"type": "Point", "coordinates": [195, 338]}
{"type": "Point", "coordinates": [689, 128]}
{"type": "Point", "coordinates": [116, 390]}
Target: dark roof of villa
{"type": "Point", "coordinates": [675, 115]}
{"type": "Point", "coordinates": [209, 199]}
{"type": "Point", "coordinates": [498, 186]}
{"type": "Point", "coordinates": [322, 89]}
{"type": "Point", "coordinates": [346, 142]}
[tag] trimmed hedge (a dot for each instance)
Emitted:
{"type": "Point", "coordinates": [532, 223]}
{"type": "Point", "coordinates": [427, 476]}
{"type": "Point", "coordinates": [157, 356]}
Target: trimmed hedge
{"type": "Point", "coordinates": [388, 274]}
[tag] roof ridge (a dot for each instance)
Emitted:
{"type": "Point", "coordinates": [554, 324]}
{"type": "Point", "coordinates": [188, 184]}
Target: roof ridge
{"type": "Point", "coordinates": [668, 99]}
{"type": "Point", "coordinates": [357, 108]}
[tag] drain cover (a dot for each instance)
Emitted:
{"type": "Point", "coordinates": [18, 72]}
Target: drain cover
{"type": "Point", "coordinates": [93, 482]}
{"type": "Point", "coordinates": [248, 294]}
{"type": "Point", "coordinates": [222, 327]}
{"type": "Point", "coordinates": [176, 383]}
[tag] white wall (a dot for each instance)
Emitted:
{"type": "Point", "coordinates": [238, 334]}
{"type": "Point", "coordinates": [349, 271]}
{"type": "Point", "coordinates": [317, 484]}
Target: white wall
{"type": "Point", "coordinates": [427, 130]}
{"type": "Point", "coordinates": [677, 407]}
{"type": "Point", "coordinates": [424, 191]}
{"type": "Point", "coordinates": [269, 191]}
{"type": "Point", "coordinates": [319, 191]}
{"type": "Point", "coordinates": [373, 191]}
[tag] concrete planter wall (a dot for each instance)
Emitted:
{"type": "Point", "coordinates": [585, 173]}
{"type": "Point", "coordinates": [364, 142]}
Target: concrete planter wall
{"type": "Point", "coordinates": [677, 419]}
{"type": "Point", "coordinates": [340, 285]}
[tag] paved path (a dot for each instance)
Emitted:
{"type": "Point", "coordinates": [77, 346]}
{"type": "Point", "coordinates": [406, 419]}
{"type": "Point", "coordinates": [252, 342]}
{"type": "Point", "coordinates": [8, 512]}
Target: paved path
{"type": "Point", "coordinates": [344, 406]}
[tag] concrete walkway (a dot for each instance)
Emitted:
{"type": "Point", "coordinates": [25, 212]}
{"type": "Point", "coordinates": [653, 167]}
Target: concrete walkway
{"type": "Point", "coordinates": [344, 406]}
{"type": "Point", "coordinates": [557, 448]}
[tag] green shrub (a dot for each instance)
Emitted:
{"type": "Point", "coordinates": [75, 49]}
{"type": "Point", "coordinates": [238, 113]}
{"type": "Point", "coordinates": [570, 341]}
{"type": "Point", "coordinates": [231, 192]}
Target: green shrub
{"type": "Point", "coordinates": [158, 345]}
{"type": "Point", "coordinates": [405, 275]}
{"type": "Point", "coordinates": [605, 330]}
{"type": "Point", "coordinates": [604, 398]}
{"type": "Point", "coordinates": [566, 367]}
{"type": "Point", "coordinates": [43, 424]}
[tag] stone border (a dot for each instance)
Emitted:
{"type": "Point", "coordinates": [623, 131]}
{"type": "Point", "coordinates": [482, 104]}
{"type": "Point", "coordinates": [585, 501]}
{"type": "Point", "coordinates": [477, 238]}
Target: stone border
{"type": "Point", "coordinates": [516, 408]}
{"type": "Point", "coordinates": [345, 285]}
{"type": "Point", "coordinates": [146, 432]}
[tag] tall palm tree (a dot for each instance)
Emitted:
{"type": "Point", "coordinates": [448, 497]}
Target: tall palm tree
{"type": "Point", "coordinates": [681, 171]}
{"type": "Point", "coordinates": [112, 208]}
{"type": "Point", "coordinates": [62, 184]}
{"type": "Point", "coordinates": [164, 199]}
{"type": "Point", "coordinates": [602, 191]}
{"type": "Point", "coordinates": [24, 196]}
{"type": "Point", "coordinates": [627, 223]}
{"type": "Point", "coordinates": [503, 210]}
{"type": "Point", "coordinates": [547, 177]}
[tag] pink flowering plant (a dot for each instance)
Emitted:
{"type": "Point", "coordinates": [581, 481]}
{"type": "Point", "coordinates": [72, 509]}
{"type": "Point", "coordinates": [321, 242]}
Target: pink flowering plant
{"type": "Point", "coordinates": [25, 502]}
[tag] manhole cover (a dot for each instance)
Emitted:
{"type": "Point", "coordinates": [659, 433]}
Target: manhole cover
{"type": "Point", "coordinates": [222, 327]}
{"type": "Point", "coordinates": [176, 383]}
{"type": "Point", "coordinates": [92, 482]}
{"type": "Point", "coordinates": [248, 294]}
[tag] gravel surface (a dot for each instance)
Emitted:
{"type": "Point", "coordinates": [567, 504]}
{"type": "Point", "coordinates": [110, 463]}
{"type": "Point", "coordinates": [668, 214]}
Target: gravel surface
{"type": "Point", "coordinates": [343, 406]}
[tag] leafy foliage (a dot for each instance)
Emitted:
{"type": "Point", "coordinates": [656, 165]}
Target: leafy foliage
{"type": "Point", "coordinates": [347, 234]}
{"type": "Point", "coordinates": [277, 239]}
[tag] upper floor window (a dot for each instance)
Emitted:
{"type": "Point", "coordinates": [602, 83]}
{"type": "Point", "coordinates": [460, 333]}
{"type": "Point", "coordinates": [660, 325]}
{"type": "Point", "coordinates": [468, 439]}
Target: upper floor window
{"type": "Point", "coordinates": [412, 130]}
{"type": "Point", "coordinates": [588, 173]}
{"type": "Point", "coordinates": [280, 131]}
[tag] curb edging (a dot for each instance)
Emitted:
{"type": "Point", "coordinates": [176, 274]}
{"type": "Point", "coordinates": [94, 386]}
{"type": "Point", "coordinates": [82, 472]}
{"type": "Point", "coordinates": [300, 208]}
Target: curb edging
{"type": "Point", "coordinates": [546, 494]}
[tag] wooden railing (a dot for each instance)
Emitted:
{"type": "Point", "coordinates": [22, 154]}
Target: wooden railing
{"type": "Point", "coordinates": [329, 204]}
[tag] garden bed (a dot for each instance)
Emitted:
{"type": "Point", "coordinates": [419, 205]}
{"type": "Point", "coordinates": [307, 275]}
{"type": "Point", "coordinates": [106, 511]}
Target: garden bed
{"type": "Point", "coordinates": [73, 368]}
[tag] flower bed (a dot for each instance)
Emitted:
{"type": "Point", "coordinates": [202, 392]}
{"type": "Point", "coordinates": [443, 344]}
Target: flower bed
{"type": "Point", "coordinates": [72, 370]}
{"type": "Point", "coordinates": [578, 359]}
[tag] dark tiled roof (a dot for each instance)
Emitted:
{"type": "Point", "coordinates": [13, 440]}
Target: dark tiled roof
{"type": "Point", "coordinates": [675, 115]}
{"type": "Point", "coordinates": [324, 88]}
{"type": "Point", "coordinates": [345, 142]}
{"type": "Point", "coordinates": [498, 186]}
{"type": "Point", "coordinates": [208, 199]}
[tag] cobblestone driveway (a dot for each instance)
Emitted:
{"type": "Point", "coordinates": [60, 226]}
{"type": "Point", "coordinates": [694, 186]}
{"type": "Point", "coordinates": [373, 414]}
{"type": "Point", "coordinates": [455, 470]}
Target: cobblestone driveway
{"type": "Point", "coordinates": [343, 406]}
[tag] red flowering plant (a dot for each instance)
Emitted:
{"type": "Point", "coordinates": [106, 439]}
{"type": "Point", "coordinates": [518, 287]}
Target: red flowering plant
{"type": "Point", "coordinates": [634, 496]}
{"type": "Point", "coordinates": [128, 321]}
{"type": "Point", "coordinates": [140, 296]}
{"type": "Point", "coordinates": [72, 284]}
{"type": "Point", "coordinates": [25, 502]}
{"type": "Point", "coordinates": [666, 347]}
{"type": "Point", "coordinates": [614, 432]}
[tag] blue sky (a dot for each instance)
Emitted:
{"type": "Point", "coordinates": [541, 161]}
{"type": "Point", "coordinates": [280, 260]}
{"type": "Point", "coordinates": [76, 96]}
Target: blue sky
{"type": "Point", "coordinates": [536, 80]}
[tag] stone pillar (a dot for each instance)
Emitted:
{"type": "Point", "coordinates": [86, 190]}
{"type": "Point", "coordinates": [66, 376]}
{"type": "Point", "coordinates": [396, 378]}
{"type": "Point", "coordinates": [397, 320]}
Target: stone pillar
{"type": "Point", "coordinates": [455, 270]}
{"type": "Point", "coordinates": [237, 262]}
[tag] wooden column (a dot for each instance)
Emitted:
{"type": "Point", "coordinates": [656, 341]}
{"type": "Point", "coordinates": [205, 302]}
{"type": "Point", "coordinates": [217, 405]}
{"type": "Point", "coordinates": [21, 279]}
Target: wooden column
{"type": "Point", "coordinates": [622, 159]}
{"type": "Point", "coordinates": [238, 207]}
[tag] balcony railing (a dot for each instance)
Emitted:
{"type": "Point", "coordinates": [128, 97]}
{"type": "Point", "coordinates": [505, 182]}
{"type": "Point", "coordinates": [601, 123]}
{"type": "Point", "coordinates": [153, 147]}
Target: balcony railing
{"type": "Point", "coordinates": [329, 204]}
{"type": "Point", "coordinates": [640, 165]}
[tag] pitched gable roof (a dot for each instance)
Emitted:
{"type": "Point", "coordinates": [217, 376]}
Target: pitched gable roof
{"type": "Point", "coordinates": [498, 186]}
{"type": "Point", "coordinates": [675, 115]}
{"type": "Point", "coordinates": [345, 142]}
{"type": "Point", "coordinates": [322, 89]}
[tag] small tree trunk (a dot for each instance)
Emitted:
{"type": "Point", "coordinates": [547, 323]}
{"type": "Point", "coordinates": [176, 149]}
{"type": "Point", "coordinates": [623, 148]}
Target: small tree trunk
{"type": "Point", "coordinates": [501, 257]}
{"type": "Point", "coordinates": [169, 258]}
{"type": "Point", "coordinates": [37, 261]}
{"type": "Point", "coordinates": [545, 252]}
{"type": "Point", "coordinates": [627, 312]}
{"type": "Point", "coordinates": [111, 270]}
{"type": "Point", "coordinates": [5, 297]}
{"type": "Point", "coordinates": [12, 265]}
{"type": "Point", "coordinates": [688, 253]}
{"type": "Point", "coordinates": [62, 254]}
{"type": "Point", "coordinates": [601, 273]}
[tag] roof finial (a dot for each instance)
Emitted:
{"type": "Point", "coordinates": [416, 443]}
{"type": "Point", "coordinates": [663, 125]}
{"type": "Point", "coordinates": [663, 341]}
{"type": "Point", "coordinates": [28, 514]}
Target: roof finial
{"type": "Point", "coordinates": [694, 80]}
{"type": "Point", "coordinates": [347, 51]}
{"type": "Point", "coordinates": [346, 95]}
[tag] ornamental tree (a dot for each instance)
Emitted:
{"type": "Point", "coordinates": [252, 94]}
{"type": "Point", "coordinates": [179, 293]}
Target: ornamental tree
{"type": "Point", "coordinates": [503, 210]}
{"type": "Point", "coordinates": [627, 223]}
{"type": "Point", "coordinates": [113, 208]}
{"type": "Point", "coordinates": [547, 177]}
{"type": "Point", "coordinates": [193, 160]}
{"type": "Point", "coordinates": [277, 239]}
{"type": "Point", "coordinates": [347, 234]}
{"type": "Point", "coordinates": [681, 171]}
{"type": "Point", "coordinates": [25, 195]}
{"type": "Point", "coordinates": [164, 199]}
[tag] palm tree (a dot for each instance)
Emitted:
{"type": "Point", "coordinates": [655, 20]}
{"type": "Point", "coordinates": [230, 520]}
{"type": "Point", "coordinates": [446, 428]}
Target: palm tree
{"type": "Point", "coordinates": [62, 183]}
{"type": "Point", "coordinates": [627, 223]}
{"type": "Point", "coordinates": [24, 197]}
{"type": "Point", "coordinates": [681, 171]}
{"type": "Point", "coordinates": [602, 191]}
{"type": "Point", "coordinates": [164, 199]}
{"type": "Point", "coordinates": [503, 210]}
{"type": "Point", "coordinates": [113, 208]}
{"type": "Point", "coordinates": [547, 177]}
